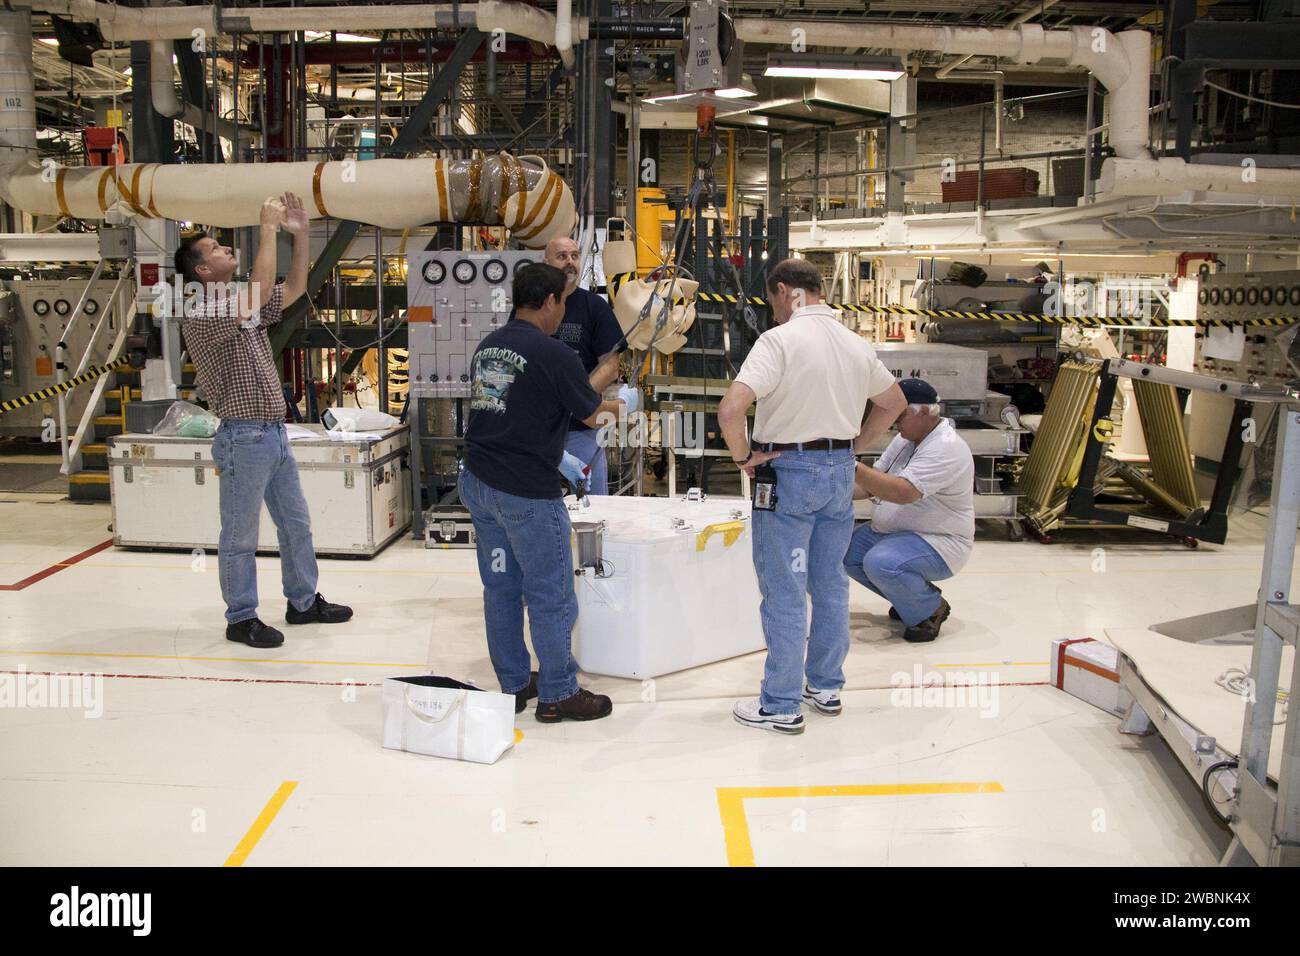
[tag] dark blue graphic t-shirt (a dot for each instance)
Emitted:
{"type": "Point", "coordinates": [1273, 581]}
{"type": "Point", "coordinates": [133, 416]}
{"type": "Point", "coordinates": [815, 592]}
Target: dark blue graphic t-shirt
{"type": "Point", "coordinates": [590, 329]}
{"type": "Point", "coordinates": [525, 387]}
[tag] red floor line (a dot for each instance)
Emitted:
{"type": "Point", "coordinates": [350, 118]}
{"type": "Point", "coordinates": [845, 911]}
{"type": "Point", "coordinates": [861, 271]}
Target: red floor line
{"type": "Point", "coordinates": [56, 568]}
{"type": "Point", "coordinates": [347, 683]}
{"type": "Point", "coordinates": [224, 680]}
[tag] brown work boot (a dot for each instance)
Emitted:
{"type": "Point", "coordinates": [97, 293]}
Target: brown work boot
{"type": "Point", "coordinates": [584, 705]}
{"type": "Point", "coordinates": [928, 629]}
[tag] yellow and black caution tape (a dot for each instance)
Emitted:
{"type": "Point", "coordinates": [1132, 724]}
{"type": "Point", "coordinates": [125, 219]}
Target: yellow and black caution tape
{"type": "Point", "coordinates": [1095, 321]}
{"type": "Point", "coordinates": [41, 394]}
{"type": "Point", "coordinates": [1088, 320]}
{"type": "Point", "coordinates": [733, 300]}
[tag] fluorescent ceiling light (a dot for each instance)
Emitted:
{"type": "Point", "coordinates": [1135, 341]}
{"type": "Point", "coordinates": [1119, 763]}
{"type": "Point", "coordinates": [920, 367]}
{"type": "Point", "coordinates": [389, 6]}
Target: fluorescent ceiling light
{"type": "Point", "coordinates": [746, 88]}
{"type": "Point", "coordinates": [341, 37]}
{"type": "Point", "coordinates": [833, 66]}
{"type": "Point", "coordinates": [666, 97]}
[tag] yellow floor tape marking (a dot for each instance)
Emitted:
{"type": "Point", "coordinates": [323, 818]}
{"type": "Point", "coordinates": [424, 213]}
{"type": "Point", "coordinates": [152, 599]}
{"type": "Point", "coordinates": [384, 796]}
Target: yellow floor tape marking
{"type": "Point", "coordinates": [222, 660]}
{"type": "Point", "coordinates": [735, 827]}
{"type": "Point", "coordinates": [259, 827]}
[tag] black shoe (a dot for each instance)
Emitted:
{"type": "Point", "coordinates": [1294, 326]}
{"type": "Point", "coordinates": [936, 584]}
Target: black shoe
{"type": "Point", "coordinates": [928, 629]}
{"type": "Point", "coordinates": [584, 705]}
{"type": "Point", "coordinates": [893, 612]}
{"type": "Point", "coordinates": [528, 693]}
{"type": "Point", "coordinates": [254, 633]}
{"type": "Point", "coordinates": [320, 612]}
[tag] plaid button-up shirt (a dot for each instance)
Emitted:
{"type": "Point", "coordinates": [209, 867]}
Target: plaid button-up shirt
{"type": "Point", "coordinates": [232, 358]}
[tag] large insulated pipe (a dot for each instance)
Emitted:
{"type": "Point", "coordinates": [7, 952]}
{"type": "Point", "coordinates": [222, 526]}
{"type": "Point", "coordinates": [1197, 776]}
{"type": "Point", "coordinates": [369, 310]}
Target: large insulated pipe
{"type": "Point", "coordinates": [162, 88]}
{"type": "Point", "coordinates": [119, 23]}
{"type": "Point", "coordinates": [520, 193]}
{"type": "Point", "coordinates": [17, 93]}
{"type": "Point", "coordinates": [1121, 62]}
{"type": "Point", "coordinates": [1170, 176]}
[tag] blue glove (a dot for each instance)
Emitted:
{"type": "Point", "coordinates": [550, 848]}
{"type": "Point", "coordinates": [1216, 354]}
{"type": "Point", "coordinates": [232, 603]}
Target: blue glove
{"type": "Point", "coordinates": [630, 397]}
{"type": "Point", "coordinates": [573, 470]}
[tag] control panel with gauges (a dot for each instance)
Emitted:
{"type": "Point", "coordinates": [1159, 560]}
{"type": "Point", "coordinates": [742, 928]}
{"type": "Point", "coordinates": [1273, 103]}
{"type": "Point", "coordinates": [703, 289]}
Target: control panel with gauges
{"type": "Point", "coordinates": [34, 320]}
{"type": "Point", "coordinates": [453, 300]}
{"type": "Point", "coordinates": [1234, 297]}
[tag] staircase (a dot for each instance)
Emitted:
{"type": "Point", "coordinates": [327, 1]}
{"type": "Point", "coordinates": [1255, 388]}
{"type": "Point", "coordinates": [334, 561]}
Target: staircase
{"type": "Point", "coordinates": [91, 483]}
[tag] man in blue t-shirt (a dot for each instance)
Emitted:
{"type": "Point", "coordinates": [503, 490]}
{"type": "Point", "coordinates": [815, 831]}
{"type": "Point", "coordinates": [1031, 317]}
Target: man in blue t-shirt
{"type": "Point", "coordinates": [525, 387]}
{"type": "Point", "coordinates": [590, 329]}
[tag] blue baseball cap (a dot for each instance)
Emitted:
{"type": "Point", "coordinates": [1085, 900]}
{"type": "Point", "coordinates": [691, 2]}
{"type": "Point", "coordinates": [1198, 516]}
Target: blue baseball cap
{"type": "Point", "coordinates": [918, 391]}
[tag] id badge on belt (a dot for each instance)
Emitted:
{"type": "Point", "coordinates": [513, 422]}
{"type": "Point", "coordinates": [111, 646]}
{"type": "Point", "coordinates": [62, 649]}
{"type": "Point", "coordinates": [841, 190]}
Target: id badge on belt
{"type": "Point", "coordinates": [764, 497]}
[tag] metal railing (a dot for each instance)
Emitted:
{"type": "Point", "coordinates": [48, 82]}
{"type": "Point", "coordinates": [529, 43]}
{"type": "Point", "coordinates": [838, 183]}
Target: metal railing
{"type": "Point", "coordinates": [72, 448]}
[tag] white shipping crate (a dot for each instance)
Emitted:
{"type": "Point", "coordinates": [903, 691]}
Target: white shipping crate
{"type": "Point", "coordinates": [166, 492]}
{"type": "Point", "coordinates": [675, 587]}
{"type": "Point", "coordinates": [1089, 670]}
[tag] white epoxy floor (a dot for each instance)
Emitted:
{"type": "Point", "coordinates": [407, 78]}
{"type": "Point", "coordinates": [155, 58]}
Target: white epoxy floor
{"type": "Point", "coordinates": [198, 734]}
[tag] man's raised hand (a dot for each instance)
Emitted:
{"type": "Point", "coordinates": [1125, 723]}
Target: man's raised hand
{"type": "Point", "coordinates": [295, 215]}
{"type": "Point", "coordinates": [273, 212]}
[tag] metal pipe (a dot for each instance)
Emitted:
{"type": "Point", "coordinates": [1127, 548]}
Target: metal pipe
{"type": "Point", "coordinates": [1025, 17]}
{"type": "Point", "coordinates": [914, 166]}
{"type": "Point", "coordinates": [382, 353]}
{"type": "Point", "coordinates": [1088, 192]}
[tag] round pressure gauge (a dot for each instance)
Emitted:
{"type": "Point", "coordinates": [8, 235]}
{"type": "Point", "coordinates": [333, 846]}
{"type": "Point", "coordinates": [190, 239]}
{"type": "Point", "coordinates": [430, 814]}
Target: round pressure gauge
{"type": "Point", "coordinates": [434, 272]}
{"type": "Point", "coordinates": [1239, 296]}
{"type": "Point", "coordinates": [1252, 296]}
{"type": "Point", "coordinates": [494, 271]}
{"type": "Point", "coordinates": [41, 307]}
{"type": "Point", "coordinates": [464, 271]}
{"type": "Point", "coordinates": [521, 264]}
{"type": "Point", "coordinates": [1266, 296]}
{"type": "Point", "coordinates": [1279, 295]}
{"type": "Point", "coordinates": [62, 307]}
{"type": "Point", "coordinates": [1295, 295]}
{"type": "Point", "coordinates": [1214, 296]}
{"type": "Point", "coordinates": [1203, 296]}
{"type": "Point", "coordinates": [91, 307]}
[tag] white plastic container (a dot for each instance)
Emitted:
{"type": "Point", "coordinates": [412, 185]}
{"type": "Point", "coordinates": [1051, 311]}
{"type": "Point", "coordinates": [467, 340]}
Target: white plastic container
{"type": "Point", "coordinates": [675, 587]}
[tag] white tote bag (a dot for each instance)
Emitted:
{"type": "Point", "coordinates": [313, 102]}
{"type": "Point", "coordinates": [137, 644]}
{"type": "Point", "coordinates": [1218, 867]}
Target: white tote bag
{"type": "Point", "coordinates": [442, 717]}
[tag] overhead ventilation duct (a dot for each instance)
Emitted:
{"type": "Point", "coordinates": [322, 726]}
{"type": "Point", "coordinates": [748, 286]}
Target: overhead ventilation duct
{"type": "Point", "coordinates": [119, 23]}
{"type": "Point", "coordinates": [522, 194]}
{"type": "Point", "coordinates": [1121, 62]}
{"type": "Point", "coordinates": [17, 94]}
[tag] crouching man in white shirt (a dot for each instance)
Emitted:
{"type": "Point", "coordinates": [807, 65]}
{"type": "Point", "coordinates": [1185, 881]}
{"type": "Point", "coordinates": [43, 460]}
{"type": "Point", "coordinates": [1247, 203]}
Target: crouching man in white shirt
{"type": "Point", "coordinates": [922, 527]}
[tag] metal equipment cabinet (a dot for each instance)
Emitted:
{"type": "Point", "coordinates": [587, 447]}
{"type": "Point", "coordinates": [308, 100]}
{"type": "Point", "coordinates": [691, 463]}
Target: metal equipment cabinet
{"type": "Point", "coordinates": [165, 492]}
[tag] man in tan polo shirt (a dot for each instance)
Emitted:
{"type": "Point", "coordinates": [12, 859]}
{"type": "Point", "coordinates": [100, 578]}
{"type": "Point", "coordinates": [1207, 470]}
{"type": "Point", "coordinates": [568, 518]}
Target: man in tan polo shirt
{"type": "Point", "coordinates": [811, 377]}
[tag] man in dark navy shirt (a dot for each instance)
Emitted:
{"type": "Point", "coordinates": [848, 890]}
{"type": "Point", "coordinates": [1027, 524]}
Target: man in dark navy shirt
{"type": "Point", "coordinates": [591, 330]}
{"type": "Point", "coordinates": [525, 387]}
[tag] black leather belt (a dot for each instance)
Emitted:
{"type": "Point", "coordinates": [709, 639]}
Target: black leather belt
{"type": "Point", "coordinates": [816, 444]}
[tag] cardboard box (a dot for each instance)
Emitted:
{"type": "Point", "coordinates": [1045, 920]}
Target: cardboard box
{"type": "Point", "coordinates": [1089, 670]}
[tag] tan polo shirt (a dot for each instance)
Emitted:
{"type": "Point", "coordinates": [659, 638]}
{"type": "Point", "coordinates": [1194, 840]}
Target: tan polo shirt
{"type": "Point", "coordinates": [812, 377]}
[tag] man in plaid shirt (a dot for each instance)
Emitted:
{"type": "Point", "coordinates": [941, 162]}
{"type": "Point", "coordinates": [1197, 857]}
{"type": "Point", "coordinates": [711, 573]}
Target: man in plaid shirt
{"type": "Point", "coordinates": [225, 332]}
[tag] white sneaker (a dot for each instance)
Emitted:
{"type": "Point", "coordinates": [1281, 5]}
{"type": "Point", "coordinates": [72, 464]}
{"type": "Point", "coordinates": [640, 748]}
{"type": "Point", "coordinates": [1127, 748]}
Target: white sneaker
{"type": "Point", "coordinates": [751, 714]}
{"type": "Point", "coordinates": [825, 701]}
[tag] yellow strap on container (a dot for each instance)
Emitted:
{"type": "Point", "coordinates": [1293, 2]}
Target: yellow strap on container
{"type": "Point", "coordinates": [730, 531]}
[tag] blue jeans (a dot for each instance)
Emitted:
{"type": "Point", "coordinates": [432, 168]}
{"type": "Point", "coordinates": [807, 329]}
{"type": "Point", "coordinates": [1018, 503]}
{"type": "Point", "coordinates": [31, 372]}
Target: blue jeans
{"type": "Point", "coordinates": [586, 446]}
{"type": "Point", "coordinates": [524, 552]}
{"type": "Point", "coordinates": [898, 566]}
{"type": "Point", "coordinates": [799, 551]}
{"type": "Point", "coordinates": [256, 465]}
